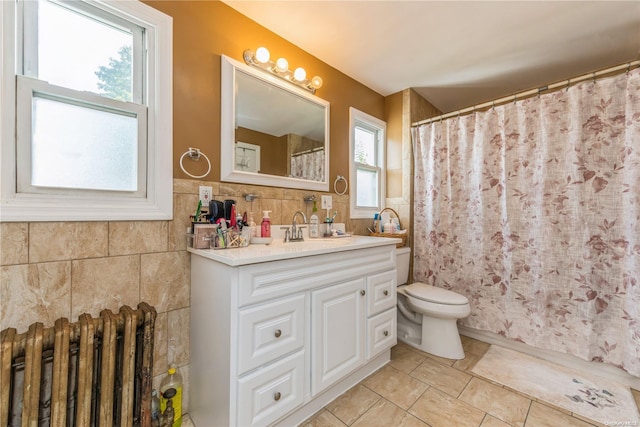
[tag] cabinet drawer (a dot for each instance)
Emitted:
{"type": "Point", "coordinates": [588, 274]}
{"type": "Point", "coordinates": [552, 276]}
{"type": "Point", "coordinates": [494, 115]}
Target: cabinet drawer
{"type": "Point", "coordinates": [381, 332]}
{"type": "Point", "coordinates": [381, 291]}
{"type": "Point", "coordinates": [268, 394]}
{"type": "Point", "coordinates": [270, 331]}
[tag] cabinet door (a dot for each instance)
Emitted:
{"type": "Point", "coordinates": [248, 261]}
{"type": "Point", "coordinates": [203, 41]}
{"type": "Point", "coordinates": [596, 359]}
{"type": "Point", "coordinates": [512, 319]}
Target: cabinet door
{"type": "Point", "coordinates": [338, 322]}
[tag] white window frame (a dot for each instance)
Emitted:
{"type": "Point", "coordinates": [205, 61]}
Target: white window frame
{"type": "Point", "coordinates": [152, 105]}
{"type": "Point", "coordinates": [359, 118]}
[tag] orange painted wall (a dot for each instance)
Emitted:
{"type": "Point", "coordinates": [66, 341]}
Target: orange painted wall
{"type": "Point", "coordinates": [202, 31]}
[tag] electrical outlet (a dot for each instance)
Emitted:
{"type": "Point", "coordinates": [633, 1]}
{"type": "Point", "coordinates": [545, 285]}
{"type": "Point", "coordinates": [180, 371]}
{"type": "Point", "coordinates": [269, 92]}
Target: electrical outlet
{"type": "Point", "coordinates": [327, 202]}
{"type": "Point", "coordinates": [205, 194]}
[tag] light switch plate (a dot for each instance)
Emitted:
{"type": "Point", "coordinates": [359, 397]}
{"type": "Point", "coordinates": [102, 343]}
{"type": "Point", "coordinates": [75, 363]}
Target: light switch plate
{"type": "Point", "coordinates": [326, 202]}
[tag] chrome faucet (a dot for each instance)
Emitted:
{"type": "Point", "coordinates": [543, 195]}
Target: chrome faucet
{"type": "Point", "coordinates": [296, 231]}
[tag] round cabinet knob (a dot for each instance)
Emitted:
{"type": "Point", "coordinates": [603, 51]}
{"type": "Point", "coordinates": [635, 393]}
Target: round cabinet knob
{"type": "Point", "coordinates": [386, 333]}
{"type": "Point", "coordinates": [386, 292]}
{"type": "Point", "coordinates": [362, 292]}
{"type": "Point", "coordinates": [278, 333]}
{"type": "Point", "coordinates": [277, 396]}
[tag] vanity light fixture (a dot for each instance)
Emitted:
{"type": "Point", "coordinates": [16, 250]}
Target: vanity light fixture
{"type": "Point", "coordinates": [261, 59]}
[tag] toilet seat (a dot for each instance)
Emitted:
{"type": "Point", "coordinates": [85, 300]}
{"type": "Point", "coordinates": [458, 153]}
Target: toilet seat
{"type": "Point", "coordinates": [429, 293]}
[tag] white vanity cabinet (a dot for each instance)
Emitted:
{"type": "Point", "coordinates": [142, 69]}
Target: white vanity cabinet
{"type": "Point", "coordinates": [272, 342]}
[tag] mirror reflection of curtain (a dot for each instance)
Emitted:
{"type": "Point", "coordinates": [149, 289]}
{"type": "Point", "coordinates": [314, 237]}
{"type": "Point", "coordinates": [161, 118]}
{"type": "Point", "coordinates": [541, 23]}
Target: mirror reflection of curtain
{"type": "Point", "coordinates": [308, 165]}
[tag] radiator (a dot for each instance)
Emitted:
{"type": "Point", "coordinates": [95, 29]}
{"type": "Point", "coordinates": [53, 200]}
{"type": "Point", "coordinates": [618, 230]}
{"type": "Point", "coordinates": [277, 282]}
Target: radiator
{"type": "Point", "coordinates": [95, 372]}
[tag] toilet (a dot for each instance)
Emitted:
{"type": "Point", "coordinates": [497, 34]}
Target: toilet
{"type": "Point", "coordinates": [427, 315]}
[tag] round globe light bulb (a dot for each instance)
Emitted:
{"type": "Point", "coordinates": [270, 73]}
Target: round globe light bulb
{"type": "Point", "coordinates": [316, 82]}
{"type": "Point", "coordinates": [282, 65]}
{"type": "Point", "coordinates": [262, 54]}
{"type": "Point", "coordinates": [299, 74]}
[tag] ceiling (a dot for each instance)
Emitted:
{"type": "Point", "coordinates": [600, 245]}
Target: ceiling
{"type": "Point", "coordinates": [456, 53]}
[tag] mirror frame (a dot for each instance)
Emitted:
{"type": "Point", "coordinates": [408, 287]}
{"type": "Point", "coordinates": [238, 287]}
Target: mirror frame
{"type": "Point", "coordinates": [229, 67]}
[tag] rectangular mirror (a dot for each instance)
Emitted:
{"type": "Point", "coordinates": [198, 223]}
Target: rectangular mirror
{"type": "Point", "coordinates": [272, 132]}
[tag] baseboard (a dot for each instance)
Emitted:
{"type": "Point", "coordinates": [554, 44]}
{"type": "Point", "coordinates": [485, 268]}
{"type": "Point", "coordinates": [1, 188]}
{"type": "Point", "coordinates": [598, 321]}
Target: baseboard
{"type": "Point", "coordinates": [600, 369]}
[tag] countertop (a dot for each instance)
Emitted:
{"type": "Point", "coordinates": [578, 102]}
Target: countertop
{"type": "Point", "coordinates": [278, 250]}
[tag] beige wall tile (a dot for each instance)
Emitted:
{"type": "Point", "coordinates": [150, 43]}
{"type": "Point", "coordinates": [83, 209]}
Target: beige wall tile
{"type": "Point", "coordinates": [165, 280]}
{"type": "Point", "coordinates": [104, 283]}
{"type": "Point", "coordinates": [183, 206]}
{"type": "Point", "coordinates": [438, 409]}
{"type": "Point", "coordinates": [178, 331]}
{"type": "Point", "coordinates": [14, 243]}
{"type": "Point", "coordinates": [502, 404]}
{"type": "Point", "coordinates": [34, 293]}
{"type": "Point", "coordinates": [57, 241]}
{"type": "Point", "coordinates": [137, 237]}
{"type": "Point", "coordinates": [160, 345]}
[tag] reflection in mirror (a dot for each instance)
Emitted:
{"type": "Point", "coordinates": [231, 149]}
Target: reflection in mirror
{"type": "Point", "coordinates": [273, 133]}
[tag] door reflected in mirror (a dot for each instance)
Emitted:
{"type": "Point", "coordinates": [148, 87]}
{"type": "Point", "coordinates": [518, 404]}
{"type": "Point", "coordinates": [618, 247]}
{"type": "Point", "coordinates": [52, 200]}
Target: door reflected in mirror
{"type": "Point", "coordinates": [273, 133]}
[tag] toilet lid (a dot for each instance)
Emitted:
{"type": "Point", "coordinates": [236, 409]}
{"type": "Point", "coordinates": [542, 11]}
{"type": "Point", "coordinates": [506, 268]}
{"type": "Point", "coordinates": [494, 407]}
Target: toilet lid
{"type": "Point", "coordinates": [436, 295]}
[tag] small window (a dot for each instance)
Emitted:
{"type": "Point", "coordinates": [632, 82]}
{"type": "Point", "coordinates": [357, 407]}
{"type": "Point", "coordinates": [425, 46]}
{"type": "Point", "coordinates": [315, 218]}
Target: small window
{"type": "Point", "coordinates": [88, 111]}
{"type": "Point", "coordinates": [366, 148]}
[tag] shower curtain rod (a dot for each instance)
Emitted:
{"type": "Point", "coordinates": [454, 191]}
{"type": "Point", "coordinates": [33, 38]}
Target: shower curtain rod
{"type": "Point", "coordinates": [525, 94]}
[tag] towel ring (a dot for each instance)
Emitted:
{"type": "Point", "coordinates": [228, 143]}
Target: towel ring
{"type": "Point", "coordinates": [195, 154]}
{"type": "Point", "coordinates": [335, 185]}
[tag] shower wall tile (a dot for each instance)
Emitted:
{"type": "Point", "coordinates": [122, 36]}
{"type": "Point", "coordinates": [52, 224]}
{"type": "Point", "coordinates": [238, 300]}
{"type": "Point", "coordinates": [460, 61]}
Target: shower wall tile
{"type": "Point", "coordinates": [104, 283]}
{"type": "Point", "coordinates": [14, 243]}
{"type": "Point", "coordinates": [165, 280]}
{"type": "Point", "coordinates": [138, 237]}
{"type": "Point", "coordinates": [57, 241]}
{"type": "Point", "coordinates": [34, 291]}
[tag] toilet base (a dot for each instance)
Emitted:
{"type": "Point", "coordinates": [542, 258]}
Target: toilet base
{"type": "Point", "coordinates": [440, 337]}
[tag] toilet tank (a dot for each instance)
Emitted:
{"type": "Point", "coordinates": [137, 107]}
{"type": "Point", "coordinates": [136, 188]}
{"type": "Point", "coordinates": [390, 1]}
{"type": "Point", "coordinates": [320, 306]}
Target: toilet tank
{"type": "Point", "coordinates": [402, 264]}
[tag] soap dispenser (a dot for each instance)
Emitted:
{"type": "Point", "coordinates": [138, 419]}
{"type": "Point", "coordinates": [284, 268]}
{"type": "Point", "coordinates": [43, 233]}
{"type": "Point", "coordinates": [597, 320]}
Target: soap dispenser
{"type": "Point", "coordinates": [266, 224]}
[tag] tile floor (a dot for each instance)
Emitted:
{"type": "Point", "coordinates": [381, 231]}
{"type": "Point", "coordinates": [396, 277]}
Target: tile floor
{"type": "Point", "coordinates": [417, 389]}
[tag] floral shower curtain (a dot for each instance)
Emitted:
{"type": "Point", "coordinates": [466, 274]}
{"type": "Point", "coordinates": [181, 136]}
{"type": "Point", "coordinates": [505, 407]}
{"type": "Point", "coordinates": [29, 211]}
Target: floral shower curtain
{"type": "Point", "coordinates": [532, 211]}
{"type": "Point", "coordinates": [308, 165]}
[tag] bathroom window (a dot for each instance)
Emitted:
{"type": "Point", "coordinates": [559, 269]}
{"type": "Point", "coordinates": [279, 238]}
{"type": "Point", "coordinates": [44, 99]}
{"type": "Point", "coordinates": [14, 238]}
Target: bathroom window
{"type": "Point", "coordinates": [366, 151]}
{"type": "Point", "coordinates": [86, 111]}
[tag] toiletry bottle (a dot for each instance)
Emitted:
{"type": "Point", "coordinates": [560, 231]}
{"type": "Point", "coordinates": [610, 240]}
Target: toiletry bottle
{"type": "Point", "coordinates": [253, 227]}
{"type": "Point", "coordinates": [387, 227]}
{"type": "Point", "coordinates": [171, 391]}
{"type": "Point", "coordinates": [266, 224]}
{"type": "Point", "coordinates": [314, 226]}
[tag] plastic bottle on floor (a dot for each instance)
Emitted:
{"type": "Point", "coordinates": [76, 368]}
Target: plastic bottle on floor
{"type": "Point", "coordinates": [171, 389]}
